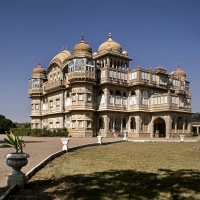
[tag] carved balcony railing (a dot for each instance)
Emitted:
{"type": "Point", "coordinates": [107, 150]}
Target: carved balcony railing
{"type": "Point", "coordinates": [55, 85]}
{"type": "Point", "coordinates": [81, 76]}
{"type": "Point", "coordinates": [35, 91]}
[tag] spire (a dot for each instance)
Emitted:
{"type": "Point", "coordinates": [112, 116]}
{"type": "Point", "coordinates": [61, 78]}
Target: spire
{"type": "Point", "coordinates": [110, 35]}
{"type": "Point", "coordinates": [82, 38]}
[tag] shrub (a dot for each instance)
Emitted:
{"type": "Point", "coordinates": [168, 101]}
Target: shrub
{"type": "Point", "coordinates": [45, 132]}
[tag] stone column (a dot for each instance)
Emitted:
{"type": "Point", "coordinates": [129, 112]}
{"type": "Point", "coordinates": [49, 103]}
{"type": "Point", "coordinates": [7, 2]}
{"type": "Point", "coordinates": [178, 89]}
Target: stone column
{"type": "Point", "coordinates": [175, 121]}
{"type": "Point", "coordinates": [138, 125]}
{"type": "Point", "coordinates": [106, 97]}
{"type": "Point", "coordinates": [168, 124]}
{"type": "Point", "coordinates": [106, 125]}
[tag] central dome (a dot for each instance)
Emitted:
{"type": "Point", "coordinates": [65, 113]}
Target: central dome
{"type": "Point", "coordinates": [61, 57]}
{"type": "Point", "coordinates": [110, 44]}
{"type": "Point", "coordinates": [82, 47]}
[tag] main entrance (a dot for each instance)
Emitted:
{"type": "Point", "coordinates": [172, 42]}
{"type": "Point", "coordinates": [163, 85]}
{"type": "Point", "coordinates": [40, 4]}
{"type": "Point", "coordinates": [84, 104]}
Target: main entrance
{"type": "Point", "coordinates": [159, 127]}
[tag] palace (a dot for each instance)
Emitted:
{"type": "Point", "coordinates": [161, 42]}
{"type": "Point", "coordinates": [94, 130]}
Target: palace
{"type": "Point", "coordinates": [90, 93]}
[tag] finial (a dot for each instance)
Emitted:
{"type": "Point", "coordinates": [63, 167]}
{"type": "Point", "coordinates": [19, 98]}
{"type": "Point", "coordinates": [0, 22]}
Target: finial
{"type": "Point", "coordinates": [110, 35]}
{"type": "Point", "coordinates": [82, 38]}
{"type": "Point", "coordinates": [179, 67]}
{"type": "Point", "coordinates": [39, 63]}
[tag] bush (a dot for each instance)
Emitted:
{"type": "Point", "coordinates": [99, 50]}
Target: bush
{"type": "Point", "coordinates": [59, 132]}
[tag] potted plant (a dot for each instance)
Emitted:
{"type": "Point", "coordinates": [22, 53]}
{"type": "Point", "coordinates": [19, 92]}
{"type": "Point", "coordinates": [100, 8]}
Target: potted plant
{"type": "Point", "coordinates": [16, 160]}
{"type": "Point", "coordinates": [99, 137]}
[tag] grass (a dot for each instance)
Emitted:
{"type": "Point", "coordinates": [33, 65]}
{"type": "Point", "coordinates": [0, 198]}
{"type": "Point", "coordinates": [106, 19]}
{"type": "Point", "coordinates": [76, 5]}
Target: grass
{"type": "Point", "coordinates": [125, 170]}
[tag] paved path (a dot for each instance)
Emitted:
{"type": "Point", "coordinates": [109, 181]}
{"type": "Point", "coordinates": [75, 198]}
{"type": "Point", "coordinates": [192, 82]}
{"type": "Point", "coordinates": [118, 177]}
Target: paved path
{"type": "Point", "coordinates": [40, 148]}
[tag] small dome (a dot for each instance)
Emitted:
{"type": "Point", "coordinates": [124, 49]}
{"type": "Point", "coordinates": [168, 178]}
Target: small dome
{"type": "Point", "coordinates": [125, 53]}
{"type": "Point", "coordinates": [39, 69]}
{"type": "Point", "coordinates": [179, 72]}
{"type": "Point", "coordinates": [95, 53]}
{"type": "Point", "coordinates": [110, 44]}
{"type": "Point", "coordinates": [39, 72]}
{"type": "Point", "coordinates": [82, 47]}
{"type": "Point", "coordinates": [61, 57]}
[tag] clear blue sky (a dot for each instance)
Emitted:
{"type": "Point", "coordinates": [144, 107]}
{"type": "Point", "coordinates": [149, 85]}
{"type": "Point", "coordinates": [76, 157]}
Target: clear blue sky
{"type": "Point", "coordinates": [164, 32]}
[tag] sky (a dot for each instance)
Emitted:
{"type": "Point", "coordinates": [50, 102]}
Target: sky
{"type": "Point", "coordinates": [153, 32]}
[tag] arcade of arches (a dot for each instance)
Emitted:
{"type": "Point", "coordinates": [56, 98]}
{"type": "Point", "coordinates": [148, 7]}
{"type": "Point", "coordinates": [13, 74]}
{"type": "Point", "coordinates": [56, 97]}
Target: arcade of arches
{"type": "Point", "coordinates": [143, 125]}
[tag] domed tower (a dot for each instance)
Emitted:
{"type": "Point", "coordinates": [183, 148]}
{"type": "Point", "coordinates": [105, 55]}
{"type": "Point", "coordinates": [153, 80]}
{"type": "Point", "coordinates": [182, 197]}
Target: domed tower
{"type": "Point", "coordinates": [111, 61]}
{"type": "Point", "coordinates": [36, 81]}
{"type": "Point", "coordinates": [81, 67]}
{"type": "Point", "coordinates": [179, 73]}
{"type": "Point", "coordinates": [82, 78]}
{"type": "Point", "coordinates": [35, 93]}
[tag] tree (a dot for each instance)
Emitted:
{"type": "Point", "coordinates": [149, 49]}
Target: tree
{"type": "Point", "coordinates": [5, 124]}
{"type": "Point", "coordinates": [196, 117]}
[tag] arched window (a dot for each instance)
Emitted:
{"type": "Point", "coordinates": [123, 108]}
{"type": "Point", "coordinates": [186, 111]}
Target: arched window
{"type": "Point", "coordinates": [133, 98]}
{"type": "Point", "coordinates": [111, 123]}
{"type": "Point", "coordinates": [101, 97]}
{"type": "Point", "coordinates": [101, 123]}
{"type": "Point", "coordinates": [133, 93]}
{"type": "Point", "coordinates": [133, 123]}
{"type": "Point", "coordinates": [118, 93]}
{"type": "Point", "coordinates": [180, 123]}
{"type": "Point", "coordinates": [186, 124]}
{"type": "Point", "coordinates": [144, 124]}
{"type": "Point", "coordinates": [173, 124]}
{"type": "Point", "coordinates": [124, 123]}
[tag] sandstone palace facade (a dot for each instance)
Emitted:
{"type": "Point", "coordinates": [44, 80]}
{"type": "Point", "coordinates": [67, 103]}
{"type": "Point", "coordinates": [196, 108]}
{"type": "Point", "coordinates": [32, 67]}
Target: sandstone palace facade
{"type": "Point", "coordinates": [88, 93]}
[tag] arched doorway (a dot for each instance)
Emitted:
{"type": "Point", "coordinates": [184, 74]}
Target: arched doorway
{"type": "Point", "coordinates": [159, 127]}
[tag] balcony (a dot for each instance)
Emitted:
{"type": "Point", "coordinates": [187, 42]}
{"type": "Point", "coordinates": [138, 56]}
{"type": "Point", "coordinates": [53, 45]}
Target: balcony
{"type": "Point", "coordinates": [81, 76]}
{"type": "Point", "coordinates": [35, 91]}
{"type": "Point", "coordinates": [55, 85]}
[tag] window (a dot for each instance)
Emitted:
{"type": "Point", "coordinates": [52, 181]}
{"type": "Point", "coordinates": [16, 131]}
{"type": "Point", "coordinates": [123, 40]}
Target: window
{"type": "Point", "coordinates": [89, 124]}
{"type": "Point", "coordinates": [110, 73]}
{"type": "Point", "coordinates": [80, 97]}
{"type": "Point", "coordinates": [111, 99]}
{"type": "Point", "coordinates": [32, 106]}
{"type": "Point", "coordinates": [51, 104]}
{"type": "Point", "coordinates": [134, 75]}
{"type": "Point", "coordinates": [154, 78]}
{"type": "Point", "coordinates": [80, 124]}
{"type": "Point", "coordinates": [89, 97]}
{"type": "Point", "coordinates": [145, 97]}
{"type": "Point", "coordinates": [132, 100]}
{"type": "Point", "coordinates": [144, 124]}
{"type": "Point", "coordinates": [117, 100]}
{"type": "Point", "coordinates": [57, 124]}
{"type": "Point", "coordinates": [124, 101]}
{"type": "Point", "coordinates": [73, 124]}
{"type": "Point", "coordinates": [68, 122]}
{"type": "Point", "coordinates": [36, 107]}
{"type": "Point", "coordinates": [102, 73]}
{"type": "Point", "coordinates": [51, 125]}
{"type": "Point", "coordinates": [57, 102]}
{"type": "Point", "coordinates": [68, 101]}
{"type": "Point", "coordinates": [114, 74]}
{"type": "Point", "coordinates": [74, 97]}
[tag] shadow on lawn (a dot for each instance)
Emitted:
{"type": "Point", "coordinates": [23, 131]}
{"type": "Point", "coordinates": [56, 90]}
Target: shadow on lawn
{"type": "Point", "coordinates": [127, 184]}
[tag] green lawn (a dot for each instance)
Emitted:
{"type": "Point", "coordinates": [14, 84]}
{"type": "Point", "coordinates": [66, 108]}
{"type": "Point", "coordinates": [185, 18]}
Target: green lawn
{"type": "Point", "coordinates": [127, 170]}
